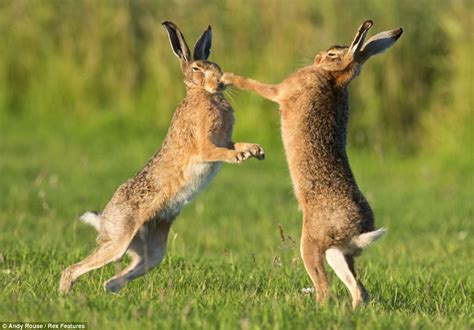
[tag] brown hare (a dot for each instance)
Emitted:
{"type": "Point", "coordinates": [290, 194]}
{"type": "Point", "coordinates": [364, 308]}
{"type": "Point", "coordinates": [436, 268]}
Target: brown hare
{"type": "Point", "coordinates": [314, 107]}
{"type": "Point", "coordinates": [138, 217]}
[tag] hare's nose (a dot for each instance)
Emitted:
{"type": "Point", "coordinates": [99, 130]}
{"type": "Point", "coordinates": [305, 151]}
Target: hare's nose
{"type": "Point", "coordinates": [220, 85]}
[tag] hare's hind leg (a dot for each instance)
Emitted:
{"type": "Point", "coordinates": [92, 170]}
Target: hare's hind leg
{"type": "Point", "coordinates": [363, 292]}
{"type": "Point", "coordinates": [148, 251]}
{"type": "Point", "coordinates": [313, 258]}
{"type": "Point", "coordinates": [343, 266]}
{"type": "Point", "coordinates": [107, 251]}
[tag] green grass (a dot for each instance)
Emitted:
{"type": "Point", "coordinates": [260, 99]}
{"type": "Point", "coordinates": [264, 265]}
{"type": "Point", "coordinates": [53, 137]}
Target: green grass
{"type": "Point", "coordinates": [226, 266]}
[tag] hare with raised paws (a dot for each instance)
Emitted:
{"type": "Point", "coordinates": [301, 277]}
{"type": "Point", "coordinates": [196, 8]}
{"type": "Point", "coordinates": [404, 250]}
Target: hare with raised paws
{"type": "Point", "coordinates": [138, 217]}
{"type": "Point", "coordinates": [337, 220]}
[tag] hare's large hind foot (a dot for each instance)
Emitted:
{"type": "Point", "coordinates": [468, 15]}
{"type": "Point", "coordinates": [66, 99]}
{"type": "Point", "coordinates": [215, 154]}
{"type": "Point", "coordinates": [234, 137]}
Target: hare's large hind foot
{"type": "Point", "coordinates": [66, 281]}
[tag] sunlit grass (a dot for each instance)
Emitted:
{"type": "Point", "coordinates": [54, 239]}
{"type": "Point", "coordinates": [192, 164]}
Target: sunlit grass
{"type": "Point", "coordinates": [227, 265]}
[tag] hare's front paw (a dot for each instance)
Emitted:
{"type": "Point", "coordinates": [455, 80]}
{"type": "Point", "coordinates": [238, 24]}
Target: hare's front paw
{"type": "Point", "coordinates": [256, 151]}
{"type": "Point", "coordinates": [227, 78]}
{"type": "Point", "coordinates": [246, 150]}
{"type": "Point", "coordinates": [241, 156]}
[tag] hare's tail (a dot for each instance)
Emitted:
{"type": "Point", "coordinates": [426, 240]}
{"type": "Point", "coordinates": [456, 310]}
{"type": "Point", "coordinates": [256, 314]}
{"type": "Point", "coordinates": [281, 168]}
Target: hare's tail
{"type": "Point", "coordinates": [92, 218]}
{"type": "Point", "coordinates": [366, 239]}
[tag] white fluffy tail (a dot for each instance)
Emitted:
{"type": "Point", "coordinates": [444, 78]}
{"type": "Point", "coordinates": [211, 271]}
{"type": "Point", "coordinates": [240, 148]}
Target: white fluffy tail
{"type": "Point", "coordinates": [92, 219]}
{"type": "Point", "coordinates": [366, 239]}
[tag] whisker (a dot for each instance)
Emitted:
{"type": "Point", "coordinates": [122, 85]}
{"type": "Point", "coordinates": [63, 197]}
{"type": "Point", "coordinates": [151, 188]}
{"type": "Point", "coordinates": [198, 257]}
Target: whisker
{"type": "Point", "coordinates": [306, 57]}
{"type": "Point", "coordinates": [228, 94]}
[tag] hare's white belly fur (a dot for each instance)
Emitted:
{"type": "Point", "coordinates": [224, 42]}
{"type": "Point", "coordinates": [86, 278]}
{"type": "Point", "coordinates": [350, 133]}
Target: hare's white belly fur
{"type": "Point", "coordinates": [197, 178]}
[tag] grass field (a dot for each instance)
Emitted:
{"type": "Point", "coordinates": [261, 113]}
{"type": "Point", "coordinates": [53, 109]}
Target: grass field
{"type": "Point", "coordinates": [227, 265]}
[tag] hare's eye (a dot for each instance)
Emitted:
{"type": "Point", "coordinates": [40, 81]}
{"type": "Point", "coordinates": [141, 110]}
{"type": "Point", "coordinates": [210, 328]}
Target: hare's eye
{"type": "Point", "coordinates": [195, 69]}
{"type": "Point", "coordinates": [331, 54]}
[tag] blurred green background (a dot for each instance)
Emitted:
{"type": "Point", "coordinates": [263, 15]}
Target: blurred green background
{"type": "Point", "coordinates": [81, 58]}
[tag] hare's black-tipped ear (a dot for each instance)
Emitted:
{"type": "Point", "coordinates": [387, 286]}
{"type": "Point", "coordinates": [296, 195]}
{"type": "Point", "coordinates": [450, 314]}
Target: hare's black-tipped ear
{"type": "Point", "coordinates": [178, 44]}
{"type": "Point", "coordinates": [380, 42]}
{"type": "Point", "coordinates": [202, 49]}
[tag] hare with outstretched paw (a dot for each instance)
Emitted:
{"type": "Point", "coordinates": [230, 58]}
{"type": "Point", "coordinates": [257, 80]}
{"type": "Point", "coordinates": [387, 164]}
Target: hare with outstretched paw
{"type": "Point", "coordinates": [314, 107]}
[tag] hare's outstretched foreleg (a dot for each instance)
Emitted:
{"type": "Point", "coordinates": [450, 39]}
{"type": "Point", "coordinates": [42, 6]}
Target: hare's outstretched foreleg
{"type": "Point", "coordinates": [267, 91]}
{"type": "Point", "coordinates": [240, 153]}
{"type": "Point", "coordinates": [148, 250]}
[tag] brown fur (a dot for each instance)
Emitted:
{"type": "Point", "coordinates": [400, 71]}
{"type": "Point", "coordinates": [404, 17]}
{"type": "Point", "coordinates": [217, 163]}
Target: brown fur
{"type": "Point", "coordinates": [314, 111]}
{"type": "Point", "coordinates": [140, 213]}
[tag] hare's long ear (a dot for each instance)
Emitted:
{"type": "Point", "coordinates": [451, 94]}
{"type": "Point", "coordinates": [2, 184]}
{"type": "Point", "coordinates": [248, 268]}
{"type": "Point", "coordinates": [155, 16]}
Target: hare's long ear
{"type": "Point", "coordinates": [202, 49]}
{"type": "Point", "coordinates": [380, 42]}
{"type": "Point", "coordinates": [360, 37]}
{"type": "Point", "coordinates": [178, 44]}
